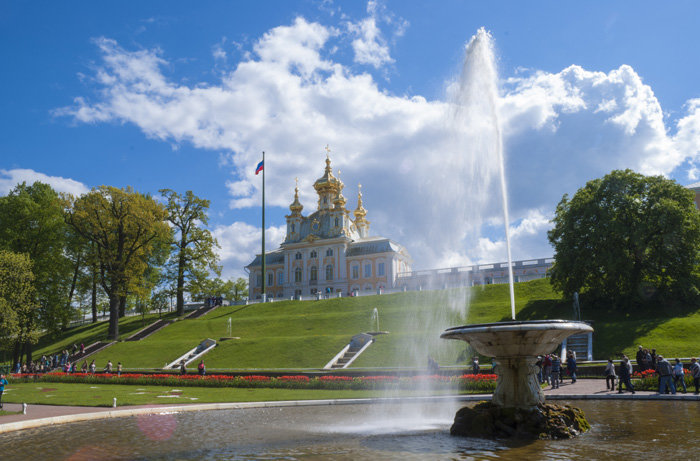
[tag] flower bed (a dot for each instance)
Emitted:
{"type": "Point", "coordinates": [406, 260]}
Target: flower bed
{"type": "Point", "coordinates": [648, 380]}
{"type": "Point", "coordinates": [485, 383]}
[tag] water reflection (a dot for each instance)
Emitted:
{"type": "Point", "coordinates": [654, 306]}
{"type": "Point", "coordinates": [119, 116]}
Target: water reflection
{"type": "Point", "coordinates": [621, 429]}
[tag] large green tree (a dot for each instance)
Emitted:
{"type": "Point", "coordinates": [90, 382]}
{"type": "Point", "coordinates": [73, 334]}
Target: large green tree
{"type": "Point", "coordinates": [193, 246]}
{"type": "Point", "coordinates": [627, 238]}
{"type": "Point", "coordinates": [31, 222]}
{"type": "Point", "coordinates": [17, 305]}
{"type": "Point", "coordinates": [124, 227]}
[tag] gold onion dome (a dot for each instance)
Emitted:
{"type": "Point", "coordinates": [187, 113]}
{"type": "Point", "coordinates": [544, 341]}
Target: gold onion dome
{"type": "Point", "coordinates": [328, 182]}
{"type": "Point", "coordinates": [296, 205]}
{"type": "Point", "coordinates": [360, 211]}
{"type": "Point", "coordinates": [340, 201]}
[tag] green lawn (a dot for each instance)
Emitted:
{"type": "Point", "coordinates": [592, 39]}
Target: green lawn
{"type": "Point", "coordinates": [102, 395]}
{"type": "Point", "coordinates": [307, 334]}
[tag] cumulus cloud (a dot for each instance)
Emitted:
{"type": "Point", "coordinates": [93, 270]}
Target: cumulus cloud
{"type": "Point", "coordinates": [240, 242]}
{"type": "Point", "coordinates": [10, 178]}
{"type": "Point", "coordinates": [369, 45]}
{"type": "Point", "coordinates": [289, 98]}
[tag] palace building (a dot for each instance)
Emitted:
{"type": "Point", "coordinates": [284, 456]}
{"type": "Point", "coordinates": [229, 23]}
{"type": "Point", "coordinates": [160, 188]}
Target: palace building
{"type": "Point", "coordinates": [329, 251]}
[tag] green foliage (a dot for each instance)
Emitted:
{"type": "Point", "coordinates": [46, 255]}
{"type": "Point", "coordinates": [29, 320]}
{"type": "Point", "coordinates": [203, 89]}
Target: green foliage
{"type": "Point", "coordinates": [17, 305]}
{"type": "Point", "coordinates": [31, 222]}
{"type": "Point", "coordinates": [627, 238]}
{"type": "Point", "coordinates": [193, 256]}
{"type": "Point", "coordinates": [125, 228]}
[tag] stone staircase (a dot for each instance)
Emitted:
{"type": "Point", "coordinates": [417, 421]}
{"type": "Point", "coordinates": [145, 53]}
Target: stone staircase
{"type": "Point", "coordinates": [201, 311]}
{"type": "Point", "coordinates": [89, 350]}
{"type": "Point", "coordinates": [357, 345]}
{"type": "Point", "coordinates": [149, 330]}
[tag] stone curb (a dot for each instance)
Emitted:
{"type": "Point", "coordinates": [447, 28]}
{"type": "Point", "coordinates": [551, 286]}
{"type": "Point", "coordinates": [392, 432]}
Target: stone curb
{"type": "Point", "coordinates": [32, 423]}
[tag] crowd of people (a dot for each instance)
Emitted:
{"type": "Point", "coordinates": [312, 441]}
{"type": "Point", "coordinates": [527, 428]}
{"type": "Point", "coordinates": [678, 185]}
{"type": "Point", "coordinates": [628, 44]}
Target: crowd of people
{"type": "Point", "coordinates": [550, 371]}
{"type": "Point", "coordinates": [213, 301]}
{"type": "Point", "coordinates": [671, 375]}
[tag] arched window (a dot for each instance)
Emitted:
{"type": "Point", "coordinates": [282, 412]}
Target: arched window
{"type": "Point", "coordinates": [336, 222]}
{"type": "Point", "coordinates": [329, 272]}
{"type": "Point", "coordinates": [329, 252]}
{"type": "Point", "coordinates": [355, 272]}
{"type": "Point", "coordinates": [314, 274]}
{"type": "Point", "coordinates": [314, 254]}
{"type": "Point", "coordinates": [297, 256]}
{"type": "Point", "coordinates": [293, 228]}
{"type": "Point", "coordinates": [270, 279]}
{"type": "Point", "coordinates": [297, 275]}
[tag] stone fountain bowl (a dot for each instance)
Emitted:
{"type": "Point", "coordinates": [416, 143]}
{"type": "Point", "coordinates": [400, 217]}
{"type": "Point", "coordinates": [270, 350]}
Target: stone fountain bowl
{"type": "Point", "coordinates": [518, 338]}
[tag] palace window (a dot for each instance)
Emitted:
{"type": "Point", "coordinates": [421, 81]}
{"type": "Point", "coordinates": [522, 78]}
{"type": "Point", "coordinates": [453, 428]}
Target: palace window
{"type": "Point", "coordinates": [336, 222]}
{"type": "Point", "coordinates": [329, 252]}
{"type": "Point", "coordinates": [297, 256]}
{"type": "Point", "coordinates": [314, 274]}
{"type": "Point", "coordinates": [380, 269]}
{"type": "Point", "coordinates": [329, 272]}
{"type": "Point", "coordinates": [314, 254]}
{"type": "Point", "coordinates": [270, 278]}
{"type": "Point", "coordinates": [280, 278]}
{"type": "Point", "coordinates": [293, 228]}
{"type": "Point", "coordinates": [368, 270]}
{"type": "Point", "coordinates": [297, 275]}
{"type": "Point", "coordinates": [355, 272]}
{"type": "Point", "coordinates": [258, 280]}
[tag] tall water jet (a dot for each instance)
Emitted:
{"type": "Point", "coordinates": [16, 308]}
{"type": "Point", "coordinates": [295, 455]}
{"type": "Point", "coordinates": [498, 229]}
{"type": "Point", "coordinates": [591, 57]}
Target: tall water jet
{"type": "Point", "coordinates": [478, 127]}
{"type": "Point", "coordinates": [518, 405]}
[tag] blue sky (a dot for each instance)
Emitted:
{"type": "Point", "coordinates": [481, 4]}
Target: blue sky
{"type": "Point", "coordinates": [165, 94]}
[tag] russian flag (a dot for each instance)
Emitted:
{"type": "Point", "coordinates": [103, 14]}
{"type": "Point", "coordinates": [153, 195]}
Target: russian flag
{"type": "Point", "coordinates": [259, 168]}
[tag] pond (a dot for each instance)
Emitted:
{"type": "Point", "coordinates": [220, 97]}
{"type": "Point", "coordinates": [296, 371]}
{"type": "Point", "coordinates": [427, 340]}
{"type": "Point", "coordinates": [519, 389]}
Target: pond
{"type": "Point", "coordinates": [620, 429]}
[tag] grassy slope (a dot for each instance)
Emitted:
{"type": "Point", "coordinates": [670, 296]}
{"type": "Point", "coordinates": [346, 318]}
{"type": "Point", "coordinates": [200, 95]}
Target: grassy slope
{"type": "Point", "coordinates": [307, 334]}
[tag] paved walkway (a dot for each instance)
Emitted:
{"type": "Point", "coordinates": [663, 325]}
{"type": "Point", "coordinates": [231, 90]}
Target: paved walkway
{"type": "Point", "coordinates": [53, 414]}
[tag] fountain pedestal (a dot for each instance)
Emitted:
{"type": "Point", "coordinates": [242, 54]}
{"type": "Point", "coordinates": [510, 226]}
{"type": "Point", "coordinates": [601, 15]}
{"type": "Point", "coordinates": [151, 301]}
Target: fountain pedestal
{"type": "Point", "coordinates": [518, 403]}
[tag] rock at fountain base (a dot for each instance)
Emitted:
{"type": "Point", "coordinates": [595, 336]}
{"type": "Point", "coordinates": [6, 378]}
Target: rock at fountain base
{"type": "Point", "coordinates": [545, 421]}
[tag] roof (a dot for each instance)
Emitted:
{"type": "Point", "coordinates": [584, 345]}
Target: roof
{"type": "Point", "coordinates": [273, 257]}
{"type": "Point", "coordinates": [372, 246]}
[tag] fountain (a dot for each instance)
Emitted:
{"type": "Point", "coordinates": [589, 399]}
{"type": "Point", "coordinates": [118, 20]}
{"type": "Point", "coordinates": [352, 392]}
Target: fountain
{"type": "Point", "coordinates": [518, 406]}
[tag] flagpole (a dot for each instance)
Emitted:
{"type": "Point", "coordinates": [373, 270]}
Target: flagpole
{"type": "Point", "coordinates": [263, 229]}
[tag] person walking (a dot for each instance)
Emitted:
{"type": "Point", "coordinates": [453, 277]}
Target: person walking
{"type": "Point", "coordinates": [108, 368]}
{"type": "Point", "coordinates": [3, 383]}
{"type": "Point", "coordinates": [547, 362]}
{"type": "Point", "coordinates": [625, 374]}
{"type": "Point", "coordinates": [84, 367]}
{"type": "Point", "coordinates": [92, 367]}
{"type": "Point", "coordinates": [571, 365]}
{"type": "Point", "coordinates": [610, 375]}
{"type": "Point", "coordinates": [694, 370]}
{"type": "Point", "coordinates": [183, 369]}
{"type": "Point", "coordinates": [556, 369]}
{"type": "Point", "coordinates": [679, 375]}
{"type": "Point", "coordinates": [641, 359]}
{"type": "Point", "coordinates": [665, 371]}
{"type": "Point", "coordinates": [475, 365]}
{"type": "Point", "coordinates": [119, 369]}
{"type": "Point", "coordinates": [201, 368]}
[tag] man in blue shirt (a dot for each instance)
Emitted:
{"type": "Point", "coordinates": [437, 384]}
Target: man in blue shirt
{"type": "Point", "coordinates": [3, 382]}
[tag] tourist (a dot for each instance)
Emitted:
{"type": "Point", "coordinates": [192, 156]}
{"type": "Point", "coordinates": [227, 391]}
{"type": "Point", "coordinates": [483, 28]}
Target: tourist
{"type": "Point", "coordinates": [653, 357]}
{"type": "Point", "coordinates": [18, 368]}
{"type": "Point", "coordinates": [201, 368]}
{"type": "Point", "coordinates": [641, 359]}
{"type": "Point", "coordinates": [679, 375]}
{"type": "Point", "coordinates": [475, 365]}
{"type": "Point", "coordinates": [556, 369]}
{"type": "Point", "coordinates": [92, 367]}
{"type": "Point", "coordinates": [625, 374]}
{"type": "Point", "coordinates": [108, 368]}
{"type": "Point", "coordinates": [183, 369]}
{"type": "Point", "coordinates": [82, 348]}
{"type": "Point", "coordinates": [694, 370]}
{"type": "Point", "coordinates": [538, 364]}
{"type": "Point", "coordinates": [547, 369]}
{"type": "Point", "coordinates": [84, 368]}
{"type": "Point", "coordinates": [571, 365]}
{"type": "Point", "coordinates": [647, 360]}
{"type": "Point", "coordinates": [610, 375]}
{"type": "Point", "coordinates": [3, 383]}
{"type": "Point", "coordinates": [665, 370]}
{"type": "Point", "coordinates": [119, 369]}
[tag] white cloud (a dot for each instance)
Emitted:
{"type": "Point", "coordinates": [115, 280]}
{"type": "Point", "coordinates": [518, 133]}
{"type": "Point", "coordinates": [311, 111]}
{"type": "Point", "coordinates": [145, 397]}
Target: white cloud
{"type": "Point", "coordinates": [240, 242]}
{"type": "Point", "coordinates": [10, 178]}
{"type": "Point", "coordinates": [369, 45]}
{"type": "Point", "coordinates": [290, 99]}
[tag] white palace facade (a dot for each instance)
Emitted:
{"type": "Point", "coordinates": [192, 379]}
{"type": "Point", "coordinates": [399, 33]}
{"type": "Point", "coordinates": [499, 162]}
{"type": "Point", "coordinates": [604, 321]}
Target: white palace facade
{"type": "Point", "coordinates": [329, 251]}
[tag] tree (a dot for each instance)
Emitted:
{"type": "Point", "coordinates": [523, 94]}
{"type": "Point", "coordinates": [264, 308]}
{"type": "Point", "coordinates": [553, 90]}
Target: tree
{"type": "Point", "coordinates": [627, 238]}
{"type": "Point", "coordinates": [31, 222]}
{"type": "Point", "coordinates": [193, 246]}
{"type": "Point", "coordinates": [239, 290]}
{"type": "Point", "coordinates": [124, 226]}
{"type": "Point", "coordinates": [17, 305]}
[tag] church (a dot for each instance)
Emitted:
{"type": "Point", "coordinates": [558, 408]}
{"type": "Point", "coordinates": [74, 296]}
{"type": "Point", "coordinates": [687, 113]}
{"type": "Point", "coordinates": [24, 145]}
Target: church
{"type": "Point", "coordinates": [328, 252]}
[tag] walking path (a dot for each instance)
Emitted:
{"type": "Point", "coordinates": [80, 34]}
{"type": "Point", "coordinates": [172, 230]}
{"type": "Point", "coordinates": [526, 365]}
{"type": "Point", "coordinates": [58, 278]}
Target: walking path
{"type": "Point", "coordinates": [42, 415]}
